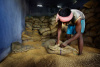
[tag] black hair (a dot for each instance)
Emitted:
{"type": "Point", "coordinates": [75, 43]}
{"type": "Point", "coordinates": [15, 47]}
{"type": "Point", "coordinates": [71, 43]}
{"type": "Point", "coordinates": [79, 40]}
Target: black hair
{"type": "Point", "coordinates": [64, 12]}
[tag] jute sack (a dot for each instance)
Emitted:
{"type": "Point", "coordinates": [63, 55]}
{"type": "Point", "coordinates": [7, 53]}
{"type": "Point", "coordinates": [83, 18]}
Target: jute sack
{"type": "Point", "coordinates": [52, 19]}
{"type": "Point", "coordinates": [97, 10]}
{"type": "Point", "coordinates": [88, 41]}
{"type": "Point", "coordinates": [36, 19]}
{"type": "Point", "coordinates": [98, 15]}
{"type": "Point", "coordinates": [91, 4]}
{"type": "Point", "coordinates": [36, 26]}
{"type": "Point", "coordinates": [44, 26]}
{"type": "Point", "coordinates": [54, 30]}
{"type": "Point", "coordinates": [83, 10]}
{"type": "Point", "coordinates": [92, 20]}
{"type": "Point", "coordinates": [42, 18]}
{"type": "Point", "coordinates": [18, 47]}
{"type": "Point", "coordinates": [89, 15]}
{"type": "Point", "coordinates": [98, 33]}
{"type": "Point", "coordinates": [54, 34]}
{"type": "Point", "coordinates": [46, 33]}
{"type": "Point", "coordinates": [53, 26]}
{"type": "Point", "coordinates": [28, 25]}
{"type": "Point", "coordinates": [97, 42]}
{"type": "Point", "coordinates": [44, 40]}
{"type": "Point", "coordinates": [90, 25]}
{"type": "Point", "coordinates": [36, 38]}
{"type": "Point", "coordinates": [91, 33]}
{"type": "Point", "coordinates": [95, 28]}
{"type": "Point", "coordinates": [53, 22]}
{"type": "Point", "coordinates": [55, 49]}
{"type": "Point", "coordinates": [44, 30]}
{"type": "Point", "coordinates": [26, 36]}
{"type": "Point", "coordinates": [45, 21]}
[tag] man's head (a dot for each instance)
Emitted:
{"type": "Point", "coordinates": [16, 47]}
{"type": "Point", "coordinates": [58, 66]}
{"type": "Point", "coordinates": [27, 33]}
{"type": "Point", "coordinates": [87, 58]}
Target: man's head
{"type": "Point", "coordinates": [64, 14]}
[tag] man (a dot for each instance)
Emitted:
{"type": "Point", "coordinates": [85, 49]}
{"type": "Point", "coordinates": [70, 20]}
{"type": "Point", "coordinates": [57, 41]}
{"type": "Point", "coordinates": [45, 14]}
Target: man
{"type": "Point", "coordinates": [77, 26]}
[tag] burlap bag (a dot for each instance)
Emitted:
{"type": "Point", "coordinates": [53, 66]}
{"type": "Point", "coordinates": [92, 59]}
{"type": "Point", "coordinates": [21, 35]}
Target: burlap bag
{"type": "Point", "coordinates": [91, 33]}
{"type": "Point", "coordinates": [97, 10]}
{"type": "Point", "coordinates": [53, 22]}
{"type": "Point", "coordinates": [97, 42]}
{"type": "Point", "coordinates": [46, 33]}
{"type": "Point", "coordinates": [44, 30]}
{"type": "Point", "coordinates": [92, 20]}
{"type": "Point", "coordinates": [95, 28]}
{"type": "Point", "coordinates": [45, 20]}
{"type": "Point", "coordinates": [52, 19]}
{"type": "Point", "coordinates": [91, 4]}
{"type": "Point", "coordinates": [36, 19]}
{"type": "Point", "coordinates": [54, 30]}
{"type": "Point", "coordinates": [90, 25]}
{"type": "Point", "coordinates": [44, 24]}
{"type": "Point", "coordinates": [42, 18]}
{"type": "Point", "coordinates": [18, 47]}
{"type": "Point", "coordinates": [53, 26]}
{"type": "Point", "coordinates": [28, 25]}
{"type": "Point", "coordinates": [55, 49]}
{"type": "Point", "coordinates": [87, 16]}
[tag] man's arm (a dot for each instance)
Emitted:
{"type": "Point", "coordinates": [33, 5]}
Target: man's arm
{"type": "Point", "coordinates": [78, 32]}
{"type": "Point", "coordinates": [59, 31]}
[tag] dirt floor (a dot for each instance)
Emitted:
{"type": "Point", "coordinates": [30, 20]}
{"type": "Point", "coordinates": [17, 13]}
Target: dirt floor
{"type": "Point", "coordinates": [38, 57]}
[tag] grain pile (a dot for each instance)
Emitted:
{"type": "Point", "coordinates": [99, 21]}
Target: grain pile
{"type": "Point", "coordinates": [39, 57]}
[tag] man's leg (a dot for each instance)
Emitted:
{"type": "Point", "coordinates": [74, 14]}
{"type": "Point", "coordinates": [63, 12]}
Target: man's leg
{"type": "Point", "coordinates": [80, 44]}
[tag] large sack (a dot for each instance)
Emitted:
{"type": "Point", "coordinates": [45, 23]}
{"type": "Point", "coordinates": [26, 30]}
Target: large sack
{"type": "Point", "coordinates": [36, 26]}
{"type": "Point", "coordinates": [97, 42]}
{"type": "Point", "coordinates": [88, 41]}
{"type": "Point", "coordinates": [26, 35]}
{"type": "Point", "coordinates": [54, 30]}
{"type": "Point", "coordinates": [55, 49]}
{"type": "Point", "coordinates": [44, 40]}
{"type": "Point", "coordinates": [42, 18]}
{"type": "Point", "coordinates": [87, 16]}
{"type": "Point", "coordinates": [46, 33]}
{"type": "Point", "coordinates": [54, 34]}
{"type": "Point", "coordinates": [96, 28]}
{"type": "Point", "coordinates": [98, 16]}
{"type": "Point", "coordinates": [97, 10]}
{"type": "Point", "coordinates": [44, 30]}
{"type": "Point", "coordinates": [53, 26]}
{"type": "Point", "coordinates": [45, 21]}
{"type": "Point", "coordinates": [90, 25]}
{"type": "Point", "coordinates": [36, 19]}
{"type": "Point", "coordinates": [83, 10]}
{"type": "Point", "coordinates": [90, 33]}
{"type": "Point", "coordinates": [91, 4]}
{"type": "Point", "coordinates": [18, 47]}
{"type": "Point", "coordinates": [28, 25]}
{"type": "Point", "coordinates": [44, 24]}
{"type": "Point", "coordinates": [92, 20]}
{"type": "Point", "coordinates": [53, 22]}
{"type": "Point", "coordinates": [52, 19]}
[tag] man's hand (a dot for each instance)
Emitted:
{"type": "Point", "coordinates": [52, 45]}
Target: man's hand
{"type": "Point", "coordinates": [64, 44]}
